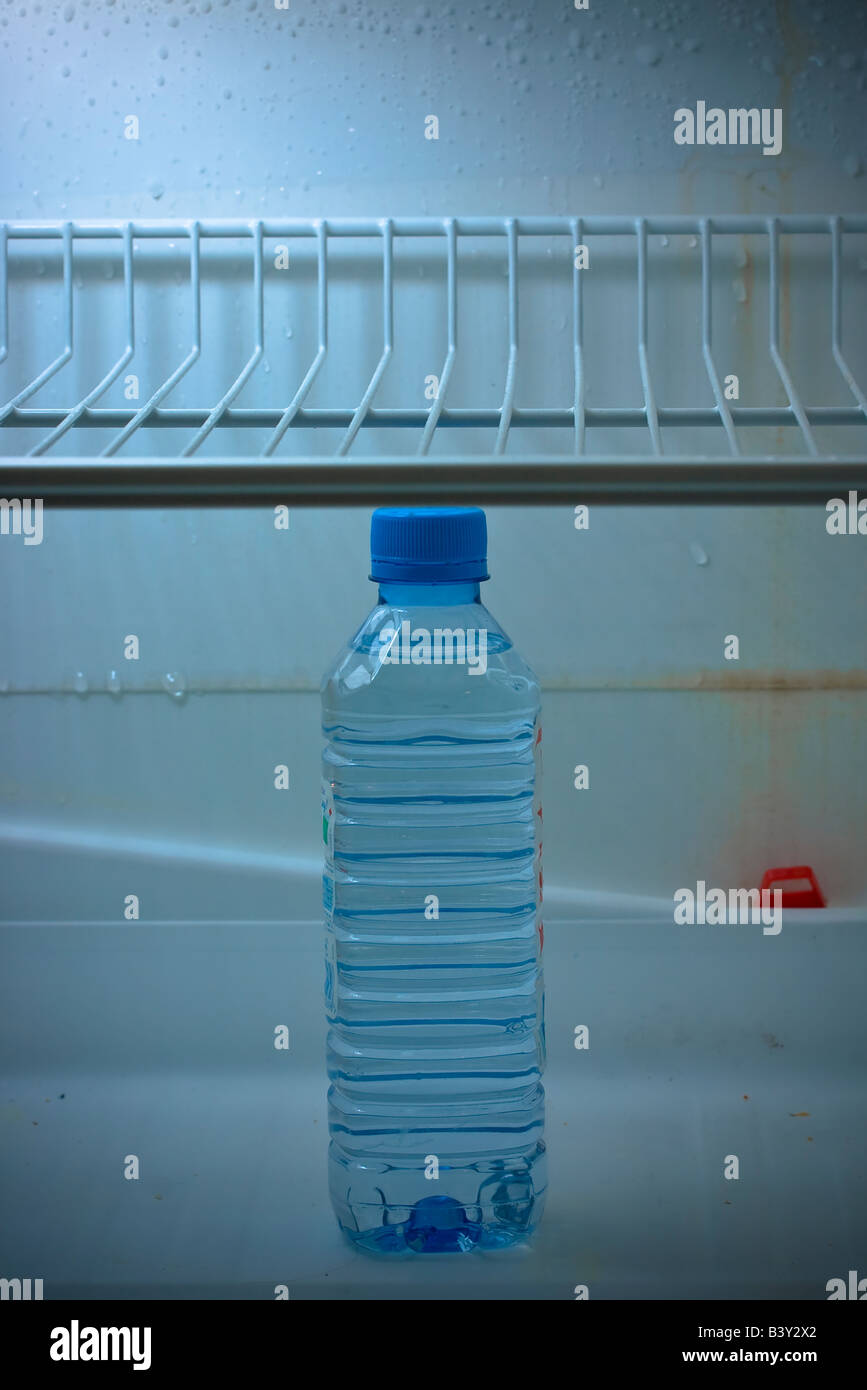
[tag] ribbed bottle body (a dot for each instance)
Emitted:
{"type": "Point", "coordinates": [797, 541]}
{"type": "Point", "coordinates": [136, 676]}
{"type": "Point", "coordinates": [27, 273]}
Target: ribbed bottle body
{"type": "Point", "coordinates": [432, 829]}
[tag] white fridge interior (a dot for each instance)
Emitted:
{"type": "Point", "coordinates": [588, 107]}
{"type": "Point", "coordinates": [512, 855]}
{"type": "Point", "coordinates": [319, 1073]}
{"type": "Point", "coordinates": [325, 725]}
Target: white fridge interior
{"type": "Point", "coordinates": [247, 296]}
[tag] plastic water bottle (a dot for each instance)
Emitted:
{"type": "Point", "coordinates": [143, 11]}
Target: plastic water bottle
{"type": "Point", "coordinates": [432, 826]}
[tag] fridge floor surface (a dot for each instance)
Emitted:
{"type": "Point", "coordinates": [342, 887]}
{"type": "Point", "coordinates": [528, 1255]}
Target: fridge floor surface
{"type": "Point", "coordinates": [711, 1050]}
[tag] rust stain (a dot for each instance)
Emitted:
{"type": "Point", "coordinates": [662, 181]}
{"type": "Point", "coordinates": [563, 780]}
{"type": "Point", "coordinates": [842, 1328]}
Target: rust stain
{"type": "Point", "coordinates": [729, 681]}
{"type": "Point", "coordinates": [782, 681]}
{"type": "Point", "coordinates": [778, 757]}
{"type": "Point", "coordinates": [796, 54]}
{"type": "Point", "coordinates": [799, 1114]}
{"type": "Point", "coordinates": [746, 342]}
{"type": "Point", "coordinates": [748, 273]}
{"type": "Point", "coordinates": [692, 166]}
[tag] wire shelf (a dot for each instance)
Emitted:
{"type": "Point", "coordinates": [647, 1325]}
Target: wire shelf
{"type": "Point", "coordinates": [674, 338]}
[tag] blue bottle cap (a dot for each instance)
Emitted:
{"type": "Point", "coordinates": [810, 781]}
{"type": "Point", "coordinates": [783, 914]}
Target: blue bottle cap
{"type": "Point", "coordinates": [428, 545]}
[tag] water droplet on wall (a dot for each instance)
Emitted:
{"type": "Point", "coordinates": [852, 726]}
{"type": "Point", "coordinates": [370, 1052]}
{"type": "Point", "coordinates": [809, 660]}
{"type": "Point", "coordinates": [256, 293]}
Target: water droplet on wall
{"type": "Point", "coordinates": [175, 684]}
{"type": "Point", "coordinates": [698, 552]}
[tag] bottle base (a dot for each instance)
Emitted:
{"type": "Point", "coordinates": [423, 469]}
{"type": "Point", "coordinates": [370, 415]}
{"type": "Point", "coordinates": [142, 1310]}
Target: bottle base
{"type": "Point", "coordinates": [437, 1225]}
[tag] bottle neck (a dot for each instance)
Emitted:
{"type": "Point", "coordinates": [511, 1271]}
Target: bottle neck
{"type": "Point", "coordinates": [429, 595]}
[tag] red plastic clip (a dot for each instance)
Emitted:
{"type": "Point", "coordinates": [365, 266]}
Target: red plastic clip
{"type": "Point", "coordinates": [797, 897]}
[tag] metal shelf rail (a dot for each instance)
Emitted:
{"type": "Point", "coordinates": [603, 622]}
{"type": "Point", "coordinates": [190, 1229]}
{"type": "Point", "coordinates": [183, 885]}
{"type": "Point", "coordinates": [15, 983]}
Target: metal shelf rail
{"type": "Point", "coordinates": [340, 479]}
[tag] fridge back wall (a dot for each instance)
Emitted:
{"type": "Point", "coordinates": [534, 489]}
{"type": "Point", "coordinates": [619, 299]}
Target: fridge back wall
{"type": "Point", "coordinates": [160, 770]}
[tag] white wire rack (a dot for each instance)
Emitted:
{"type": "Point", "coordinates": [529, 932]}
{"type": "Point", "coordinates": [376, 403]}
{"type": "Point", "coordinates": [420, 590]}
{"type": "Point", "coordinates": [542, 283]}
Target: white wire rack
{"type": "Point", "coordinates": [112, 475]}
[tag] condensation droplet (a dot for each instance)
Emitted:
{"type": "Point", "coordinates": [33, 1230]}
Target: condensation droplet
{"type": "Point", "coordinates": [79, 683]}
{"type": "Point", "coordinates": [698, 552]}
{"type": "Point", "coordinates": [739, 291]}
{"type": "Point", "coordinates": [175, 684]}
{"type": "Point", "coordinates": [113, 684]}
